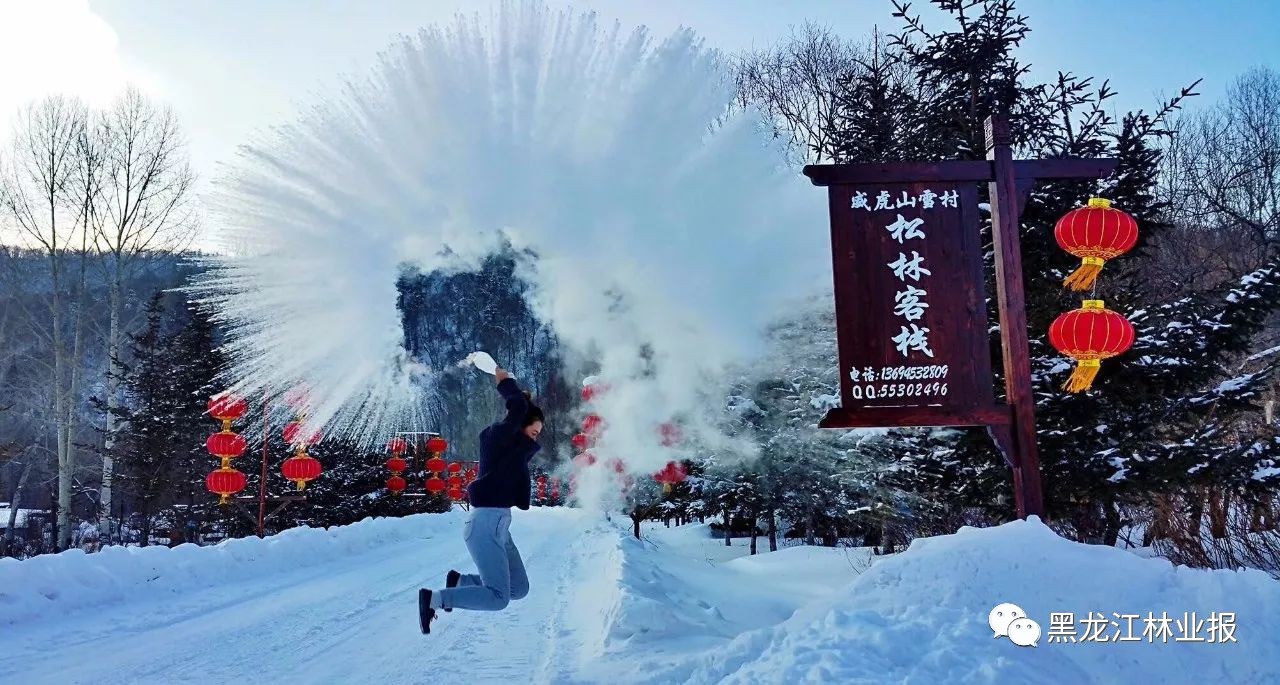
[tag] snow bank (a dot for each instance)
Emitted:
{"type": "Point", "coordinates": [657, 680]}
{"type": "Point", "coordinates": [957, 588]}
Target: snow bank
{"type": "Point", "coordinates": [922, 617]}
{"type": "Point", "coordinates": [680, 593]}
{"type": "Point", "coordinates": [72, 580]}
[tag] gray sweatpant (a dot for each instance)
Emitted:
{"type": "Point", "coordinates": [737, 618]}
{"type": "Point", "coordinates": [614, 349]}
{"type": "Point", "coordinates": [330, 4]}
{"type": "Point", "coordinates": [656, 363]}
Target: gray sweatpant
{"type": "Point", "coordinates": [501, 576]}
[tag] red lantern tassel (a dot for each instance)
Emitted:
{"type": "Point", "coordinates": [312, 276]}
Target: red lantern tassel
{"type": "Point", "coordinates": [1084, 277]}
{"type": "Point", "coordinates": [1082, 378]}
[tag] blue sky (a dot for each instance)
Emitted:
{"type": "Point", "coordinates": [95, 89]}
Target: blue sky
{"type": "Point", "coordinates": [231, 67]}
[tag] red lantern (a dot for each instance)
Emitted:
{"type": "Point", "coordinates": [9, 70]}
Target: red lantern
{"type": "Point", "coordinates": [454, 482]}
{"type": "Point", "coordinates": [227, 407]}
{"type": "Point", "coordinates": [471, 474]}
{"type": "Point", "coordinates": [592, 425]}
{"type": "Point", "coordinates": [225, 482]}
{"type": "Point", "coordinates": [1095, 233]}
{"type": "Point", "coordinates": [670, 474]}
{"type": "Point", "coordinates": [437, 445]}
{"type": "Point", "coordinates": [593, 388]}
{"type": "Point", "coordinates": [396, 485]}
{"type": "Point", "coordinates": [542, 487]}
{"type": "Point", "coordinates": [225, 446]}
{"type": "Point", "coordinates": [291, 431]}
{"type": "Point", "coordinates": [396, 465]}
{"type": "Point", "coordinates": [1089, 335]}
{"type": "Point", "coordinates": [398, 446]}
{"type": "Point", "coordinates": [436, 465]}
{"type": "Point", "coordinates": [455, 494]}
{"type": "Point", "coordinates": [584, 460]}
{"type": "Point", "coordinates": [300, 469]}
{"type": "Point", "coordinates": [555, 488]}
{"type": "Point", "coordinates": [670, 434]}
{"type": "Point", "coordinates": [581, 441]}
{"type": "Point", "coordinates": [455, 467]}
{"type": "Point", "coordinates": [618, 467]}
{"type": "Point", "coordinates": [435, 486]}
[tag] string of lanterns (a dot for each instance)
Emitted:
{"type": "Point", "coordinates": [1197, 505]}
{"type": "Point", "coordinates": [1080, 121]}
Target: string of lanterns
{"type": "Point", "coordinates": [674, 472]}
{"type": "Point", "coordinates": [436, 465]}
{"type": "Point", "coordinates": [1096, 233]}
{"type": "Point", "coordinates": [460, 474]}
{"type": "Point", "coordinates": [396, 465]}
{"type": "Point", "coordinates": [226, 445]}
{"type": "Point", "coordinates": [593, 425]}
{"type": "Point", "coordinates": [469, 476]}
{"type": "Point", "coordinates": [225, 481]}
{"type": "Point", "coordinates": [455, 481]}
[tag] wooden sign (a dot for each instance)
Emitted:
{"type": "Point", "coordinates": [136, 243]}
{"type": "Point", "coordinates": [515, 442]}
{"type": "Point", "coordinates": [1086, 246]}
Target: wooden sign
{"type": "Point", "coordinates": [910, 307]}
{"type": "Point", "coordinates": [911, 316]}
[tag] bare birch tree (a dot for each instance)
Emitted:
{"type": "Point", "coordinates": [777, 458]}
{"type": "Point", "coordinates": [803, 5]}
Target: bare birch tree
{"type": "Point", "coordinates": [140, 206]}
{"type": "Point", "coordinates": [1222, 171]}
{"type": "Point", "coordinates": [37, 199]}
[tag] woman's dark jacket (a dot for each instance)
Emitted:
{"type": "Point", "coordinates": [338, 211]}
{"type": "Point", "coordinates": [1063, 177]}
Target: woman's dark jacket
{"type": "Point", "coordinates": [505, 452]}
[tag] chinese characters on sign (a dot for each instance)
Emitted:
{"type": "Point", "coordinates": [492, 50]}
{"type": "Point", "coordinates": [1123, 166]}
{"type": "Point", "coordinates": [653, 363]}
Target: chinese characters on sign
{"type": "Point", "coordinates": [1217, 628]}
{"type": "Point", "coordinates": [909, 298]}
{"type": "Point", "coordinates": [908, 303]}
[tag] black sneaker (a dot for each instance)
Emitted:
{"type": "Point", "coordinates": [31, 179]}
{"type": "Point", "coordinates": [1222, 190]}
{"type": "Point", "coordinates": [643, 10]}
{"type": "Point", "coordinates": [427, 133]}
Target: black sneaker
{"type": "Point", "coordinates": [451, 581]}
{"type": "Point", "coordinates": [425, 613]}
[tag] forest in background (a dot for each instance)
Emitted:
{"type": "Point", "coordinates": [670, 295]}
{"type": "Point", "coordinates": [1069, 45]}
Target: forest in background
{"type": "Point", "coordinates": [105, 367]}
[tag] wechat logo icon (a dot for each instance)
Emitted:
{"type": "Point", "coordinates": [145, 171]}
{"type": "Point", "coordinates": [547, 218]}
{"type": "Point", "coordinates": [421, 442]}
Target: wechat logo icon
{"type": "Point", "coordinates": [1009, 620]}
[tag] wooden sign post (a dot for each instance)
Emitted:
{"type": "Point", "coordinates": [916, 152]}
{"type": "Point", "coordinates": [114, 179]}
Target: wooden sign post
{"type": "Point", "coordinates": [911, 315]}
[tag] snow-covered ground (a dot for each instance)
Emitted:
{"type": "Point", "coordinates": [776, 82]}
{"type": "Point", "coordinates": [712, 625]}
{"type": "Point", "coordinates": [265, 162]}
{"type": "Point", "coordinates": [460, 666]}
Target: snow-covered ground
{"type": "Point", "coordinates": [339, 606]}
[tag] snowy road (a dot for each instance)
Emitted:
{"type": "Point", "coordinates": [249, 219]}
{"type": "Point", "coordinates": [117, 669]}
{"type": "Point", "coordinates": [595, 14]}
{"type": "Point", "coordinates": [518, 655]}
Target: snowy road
{"type": "Point", "coordinates": [338, 622]}
{"type": "Point", "coordinates": [340, 606]}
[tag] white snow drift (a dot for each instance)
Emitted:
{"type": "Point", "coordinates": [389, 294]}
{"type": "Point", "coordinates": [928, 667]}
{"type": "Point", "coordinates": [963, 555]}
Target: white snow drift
{"type": "Point", "coordinates": [338, 606]}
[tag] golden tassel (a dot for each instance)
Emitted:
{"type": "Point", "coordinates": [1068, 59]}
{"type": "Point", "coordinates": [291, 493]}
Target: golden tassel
{"type": "Point", "coordinates": [1082, 378]}
{"type": "Point", "coordinates": [1084, 277]}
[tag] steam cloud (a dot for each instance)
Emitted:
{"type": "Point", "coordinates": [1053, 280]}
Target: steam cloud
{"type": "Point", "coordinates": [667, 227]}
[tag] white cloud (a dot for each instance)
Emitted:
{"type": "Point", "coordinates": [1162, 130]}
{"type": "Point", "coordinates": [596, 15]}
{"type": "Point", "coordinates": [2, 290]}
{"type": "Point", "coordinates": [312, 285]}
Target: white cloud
{"type": "Point", "coordinates": [57, 46]}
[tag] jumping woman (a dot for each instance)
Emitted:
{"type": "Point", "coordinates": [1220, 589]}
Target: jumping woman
{"type": "Point", "coordinates": [506, 448]}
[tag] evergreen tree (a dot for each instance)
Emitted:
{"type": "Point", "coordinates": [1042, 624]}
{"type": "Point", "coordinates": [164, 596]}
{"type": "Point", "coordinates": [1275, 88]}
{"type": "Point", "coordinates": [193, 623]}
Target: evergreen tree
{"type": "Point", "coordinates": [878, 115]}
{"type": "Point", "coordinates": [148, 442]}
{"type": "Point", "coordinates": [1162, 417]}
{"type": "Point", "coordinates": [163, 423]}
{"type": "Point", "coordinates": [195, 364]}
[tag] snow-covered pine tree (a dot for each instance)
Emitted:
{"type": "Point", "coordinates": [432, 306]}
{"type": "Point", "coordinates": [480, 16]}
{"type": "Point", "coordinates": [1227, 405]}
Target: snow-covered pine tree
{"type": "Point", "coordinates": [825, 485]}
{"type": "Point", "coordinates": [147, 444]}
{"type": "Point", "coordinates": [163, 422]}
{"type": "Point", "coordinates": [1160, 418]}
{"type": "Point", "coordinates": [195, 364]}
{"type": "Point", "coordinates": [878, 116]}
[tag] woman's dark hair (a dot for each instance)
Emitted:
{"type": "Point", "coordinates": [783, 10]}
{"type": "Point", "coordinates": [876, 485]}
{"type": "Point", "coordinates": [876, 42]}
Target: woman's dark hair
{"type": "Point", "coordinates": [534, 413]}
